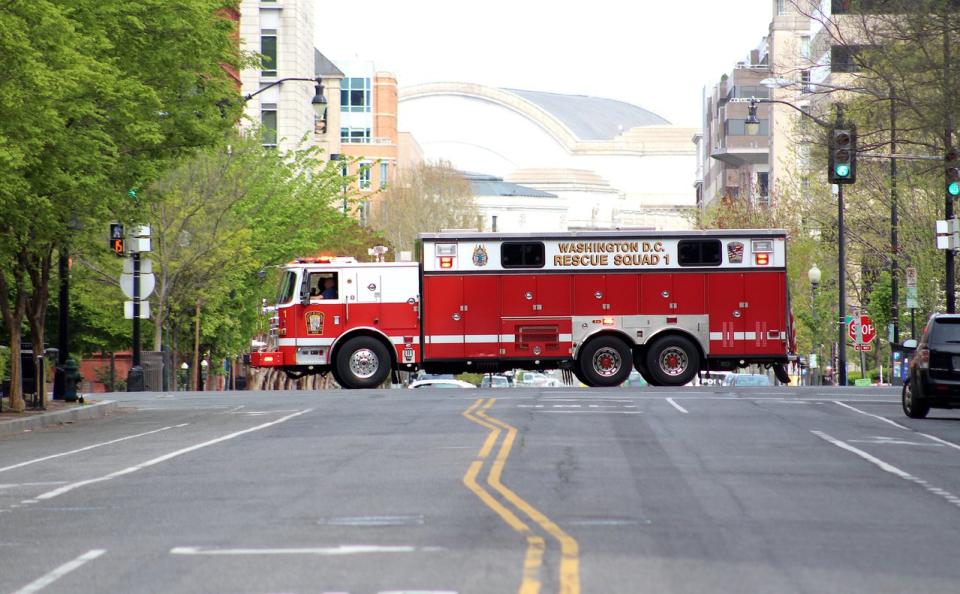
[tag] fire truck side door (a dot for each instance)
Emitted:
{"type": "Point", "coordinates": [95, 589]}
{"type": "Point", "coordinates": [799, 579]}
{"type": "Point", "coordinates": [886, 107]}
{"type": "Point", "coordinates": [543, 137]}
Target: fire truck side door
{"type": "Point", "coordinates": [764, 317]}
{"type": "Point", "coordinates": [366, 310]}
{"type": "Point", "coordinates": [656, 293]}
{"type": "Point", "coordinates": [320, 320]}
{"type": "Point", "coordinates": [725, 309]}
{"type": "Point", "coordinates": [481, 297]}
{"type": "Point", "coordinates": [443, 315]}
{"type": "Point", "coordinates": [589, 294]}
{"type": "Point", "coordinates": [620, 294]}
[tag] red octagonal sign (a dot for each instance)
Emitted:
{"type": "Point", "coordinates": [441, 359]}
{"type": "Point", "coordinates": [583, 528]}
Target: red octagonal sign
{"type": "Point", "coordinates": [867, 331]}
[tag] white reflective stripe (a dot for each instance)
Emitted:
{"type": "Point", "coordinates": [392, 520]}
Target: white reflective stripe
{"type": "Point", "coordinates": [736, 336]}
{"type": "Point", "coordinates": [481, 338]}
{"type": "Point", "coordinates": [400, 340]}
{"type": "Point", "coordinates": [287, 342]}
{"type": "Point", "coordinates": [445, 339]}
{"type": "Point", "coordinates": [308, 341]}
{"type": "Point", "coordinates": [476, 338]}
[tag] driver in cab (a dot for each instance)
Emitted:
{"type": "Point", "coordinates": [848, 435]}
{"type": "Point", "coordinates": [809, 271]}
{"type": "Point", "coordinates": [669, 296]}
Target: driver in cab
{"type": "Point", "coordinates": [329, 290]}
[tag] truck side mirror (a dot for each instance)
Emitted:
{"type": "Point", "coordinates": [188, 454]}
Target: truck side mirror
{"type": "Point", "coordinates": [304, 294]}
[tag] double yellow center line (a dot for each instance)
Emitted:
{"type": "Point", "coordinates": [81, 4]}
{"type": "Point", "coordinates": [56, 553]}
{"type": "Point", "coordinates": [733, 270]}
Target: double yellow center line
{"type": "Point", "coordinates": [536, 545]}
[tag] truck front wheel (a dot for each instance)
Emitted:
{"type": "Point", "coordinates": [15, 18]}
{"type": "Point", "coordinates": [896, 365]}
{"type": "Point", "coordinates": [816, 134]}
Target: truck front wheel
{"type": "Point", "coordinates": [363, 362]}
{"type": "Point", "coordinates": [604, 362]}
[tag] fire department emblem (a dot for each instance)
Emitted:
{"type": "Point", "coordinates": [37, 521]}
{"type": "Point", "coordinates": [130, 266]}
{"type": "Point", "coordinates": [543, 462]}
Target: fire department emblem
{"type": "Point", "coordinates": [315, 322]}
{"type": "Point", "coordinates": [735, 252]}
{"type": "Point", "coordinates": [480, 257]}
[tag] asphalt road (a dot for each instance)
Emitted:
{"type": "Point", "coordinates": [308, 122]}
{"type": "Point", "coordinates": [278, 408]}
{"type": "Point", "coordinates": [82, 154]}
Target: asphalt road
{"type": "Point", "coordinates": [476, 491]}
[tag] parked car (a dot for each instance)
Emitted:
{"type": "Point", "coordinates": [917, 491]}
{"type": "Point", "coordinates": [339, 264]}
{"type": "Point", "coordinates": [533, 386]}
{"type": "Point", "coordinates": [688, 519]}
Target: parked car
{"type": "Point", "coordinates": [494, 381]}
{"type": "Point", "coordinates": [746, 379]}
{"type": "Point", "coordinates": [440, 383]}
{"type": "Point", "coordinates": [532, 379]}
{"type": "Point", "coordinates": [933, 379]}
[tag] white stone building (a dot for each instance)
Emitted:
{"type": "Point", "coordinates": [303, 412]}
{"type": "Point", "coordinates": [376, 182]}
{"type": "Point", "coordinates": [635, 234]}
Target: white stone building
{"type": "Point", "coordinates": [613, 163]}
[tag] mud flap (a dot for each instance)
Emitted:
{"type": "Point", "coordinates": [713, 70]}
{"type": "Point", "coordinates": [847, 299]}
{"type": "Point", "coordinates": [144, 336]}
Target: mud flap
{"type": "Point", "coordinates": [781, 372]}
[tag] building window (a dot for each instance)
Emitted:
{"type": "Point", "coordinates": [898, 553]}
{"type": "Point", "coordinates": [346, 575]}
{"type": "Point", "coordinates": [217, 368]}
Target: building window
{"type": "Point", "coordinates": [763, 185]}
{"type": "Point", "coordinates": [355, 135]}
{"type": "Point", "coordinates": [355, 95]}
{"type": "Point", "coordinates": [843, 58]}
{"type": "Point", "coordinates": [384, 170]}
{"type": "Point", "coordinates": [805, 82]}
{"type": "Point", "coordinates": [268, 119]}
{"type": "Point", "coordinates": [268, 47]}
{"type": "Point", "coordinates": [363, 179]}
{"type": "Point", "coordinates": [781, 7]}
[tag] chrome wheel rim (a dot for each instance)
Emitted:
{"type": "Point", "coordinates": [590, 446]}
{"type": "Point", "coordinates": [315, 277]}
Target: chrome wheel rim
{"type": "Point", "coordinates": [674, 361]}
{"type": "Point", "coordinates": [364, 363]}
{"type": "Point", "coordinates": [607, 362]}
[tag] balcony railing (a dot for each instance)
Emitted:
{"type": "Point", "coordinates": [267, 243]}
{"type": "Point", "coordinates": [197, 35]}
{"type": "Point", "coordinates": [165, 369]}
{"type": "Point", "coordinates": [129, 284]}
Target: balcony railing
{"type": "Point", "coordinates": [371, 140]}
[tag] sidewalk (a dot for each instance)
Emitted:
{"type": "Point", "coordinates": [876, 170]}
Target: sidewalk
{"type": "Point", "coordinates": [57, 412]}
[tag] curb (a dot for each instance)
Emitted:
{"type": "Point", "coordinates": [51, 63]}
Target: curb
{"type": "Point", "coordinates": [80, 413]}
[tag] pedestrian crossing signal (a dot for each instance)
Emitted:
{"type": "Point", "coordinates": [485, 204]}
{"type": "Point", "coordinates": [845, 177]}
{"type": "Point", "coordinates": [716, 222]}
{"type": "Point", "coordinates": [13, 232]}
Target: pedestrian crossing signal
{"type": "Point", "coordinates": [116, 239]}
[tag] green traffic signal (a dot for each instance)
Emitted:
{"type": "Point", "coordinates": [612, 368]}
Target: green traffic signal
{"type": "Point", "coordinates": [132, 193]}
{"type": "Point", "coordinates": [953, 188]}
{"type": "Point", "coordinates": [844, 170]}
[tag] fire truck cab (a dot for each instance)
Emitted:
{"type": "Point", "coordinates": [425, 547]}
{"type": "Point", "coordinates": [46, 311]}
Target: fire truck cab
{"type": "Point", "coordinates": [600, 303]}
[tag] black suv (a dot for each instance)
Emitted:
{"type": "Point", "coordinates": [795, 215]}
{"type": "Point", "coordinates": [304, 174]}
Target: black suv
{"type": "Point", "coordinates": [934, 376]}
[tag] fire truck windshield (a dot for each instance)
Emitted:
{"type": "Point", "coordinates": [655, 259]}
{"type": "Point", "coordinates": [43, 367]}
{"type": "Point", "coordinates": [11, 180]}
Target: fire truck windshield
{"type": "Point", "coordinates": [287, 287]}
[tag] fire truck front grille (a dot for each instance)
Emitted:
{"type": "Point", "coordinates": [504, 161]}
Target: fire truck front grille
{"type": "Point", "coordinates": [547, 337]}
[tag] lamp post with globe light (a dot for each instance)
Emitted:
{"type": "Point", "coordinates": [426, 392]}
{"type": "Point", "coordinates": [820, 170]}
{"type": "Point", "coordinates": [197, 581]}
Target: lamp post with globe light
{"type": "Point", "coordinates": [814, 275]}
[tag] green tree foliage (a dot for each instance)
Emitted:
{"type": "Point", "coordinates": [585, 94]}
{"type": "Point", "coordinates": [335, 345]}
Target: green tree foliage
{"type": "Point", "coordinates": [100, 97]}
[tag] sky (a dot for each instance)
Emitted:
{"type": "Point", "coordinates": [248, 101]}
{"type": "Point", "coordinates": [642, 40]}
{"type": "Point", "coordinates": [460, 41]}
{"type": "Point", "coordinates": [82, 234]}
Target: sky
{"type": "Point", "coordinates": [657, 54]}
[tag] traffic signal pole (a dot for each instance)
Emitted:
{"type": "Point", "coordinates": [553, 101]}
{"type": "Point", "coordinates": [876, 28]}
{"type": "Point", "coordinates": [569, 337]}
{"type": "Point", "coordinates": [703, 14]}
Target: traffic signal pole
{"type": "Point", "coordinates": [950, 279]}
{"type": "Point", "coordinates": [135, 376]}
{"type": "Point", "coordinates": [842, 286]}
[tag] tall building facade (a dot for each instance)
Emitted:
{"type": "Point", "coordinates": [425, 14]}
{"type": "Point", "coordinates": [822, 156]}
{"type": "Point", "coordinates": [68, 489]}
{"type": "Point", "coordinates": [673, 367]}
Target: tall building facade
{"type": "Point", "coordinates": [282, 32]}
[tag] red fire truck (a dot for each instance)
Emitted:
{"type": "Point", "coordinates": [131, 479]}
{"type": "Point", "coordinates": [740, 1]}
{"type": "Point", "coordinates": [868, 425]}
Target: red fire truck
{"type": "Point", "coordinates": [668, 303]}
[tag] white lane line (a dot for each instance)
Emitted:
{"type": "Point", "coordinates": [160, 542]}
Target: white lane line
{"type": "Point", "coordinates": [878, 417]}
{"type": "Point", "coordinates": [59, 572]}
{"type": "Point", "coordinates": [323, 551]}
{"type": "Point", "coordinates": [593, 412]}
{"type": "Point", "coordinates": [38, 484]}
{"type": "Point", "coordinates": [677, 406]}
{"type": "Point", "coordinates": [895, 424]}
{"type": "Point", "coordinates": [164, 458]}
{"type": "Point", "coordinates": [887, 467]}
{"type": "Point", "coordinates": [90, 447]}
{"type": "Point", "coordinates": [941, 441]}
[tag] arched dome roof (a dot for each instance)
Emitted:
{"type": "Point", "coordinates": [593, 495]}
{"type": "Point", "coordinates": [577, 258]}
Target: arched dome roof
{"type": "Point", "coordinates": [592, 118]}
{"type": "Point", "coordinates": [572, 120]}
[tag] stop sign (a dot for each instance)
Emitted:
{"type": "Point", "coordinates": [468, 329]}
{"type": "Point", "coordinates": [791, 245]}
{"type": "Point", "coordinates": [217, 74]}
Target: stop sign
{"type": "Point", "coordinates": [867, 331]}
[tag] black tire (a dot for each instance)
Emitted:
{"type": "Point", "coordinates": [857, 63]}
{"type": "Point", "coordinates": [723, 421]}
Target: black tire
{"type": "Point", "coordinates": [914, 406]}
{"type": "Point", "coordinates": [672, 361]}
{"type": "Point", "coordinates": [578, 375]}
{"type": "Point", "coordinates": [604, 362]}
{"type": "Point", "coordinates": [362, 362]}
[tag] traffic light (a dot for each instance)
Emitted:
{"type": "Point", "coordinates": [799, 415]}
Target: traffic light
{"type": "Point", "coordinates": [116, 239]}
{"type": "Point", "coordinates": [842, 160]}
{"type": "Point", "coordinates": [953, 173]}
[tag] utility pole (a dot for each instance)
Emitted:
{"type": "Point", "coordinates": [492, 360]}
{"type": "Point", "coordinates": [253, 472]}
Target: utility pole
{"type": "Point", "coordinates": [135, 376]}
{"type": "Point", "coordinates": [894, 221]}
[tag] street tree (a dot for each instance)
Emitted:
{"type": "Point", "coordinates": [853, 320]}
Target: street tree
{"type": "Point", "coordinates": [101, 98]}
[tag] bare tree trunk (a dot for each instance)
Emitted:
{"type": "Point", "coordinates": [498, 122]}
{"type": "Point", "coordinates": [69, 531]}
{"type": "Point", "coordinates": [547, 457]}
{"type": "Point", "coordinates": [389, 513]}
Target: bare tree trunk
{"type": "Point", "coordinates": [12, 316]}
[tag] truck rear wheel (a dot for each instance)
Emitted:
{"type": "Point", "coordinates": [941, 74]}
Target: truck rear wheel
{"type": "Point", "coordinates": [363, 362]}
{"type": "Point", "coordinates": [672, 361]}
{"type": "Point", "coordinates": [605, 362]}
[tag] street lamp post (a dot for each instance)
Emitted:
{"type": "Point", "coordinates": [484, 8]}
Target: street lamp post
{"type": "Point", "coordinates": [814, 275]}
{"type": "Point", "coordinates": [319, 102]}
{"type": "Point", "coordinates": [752, 128]}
